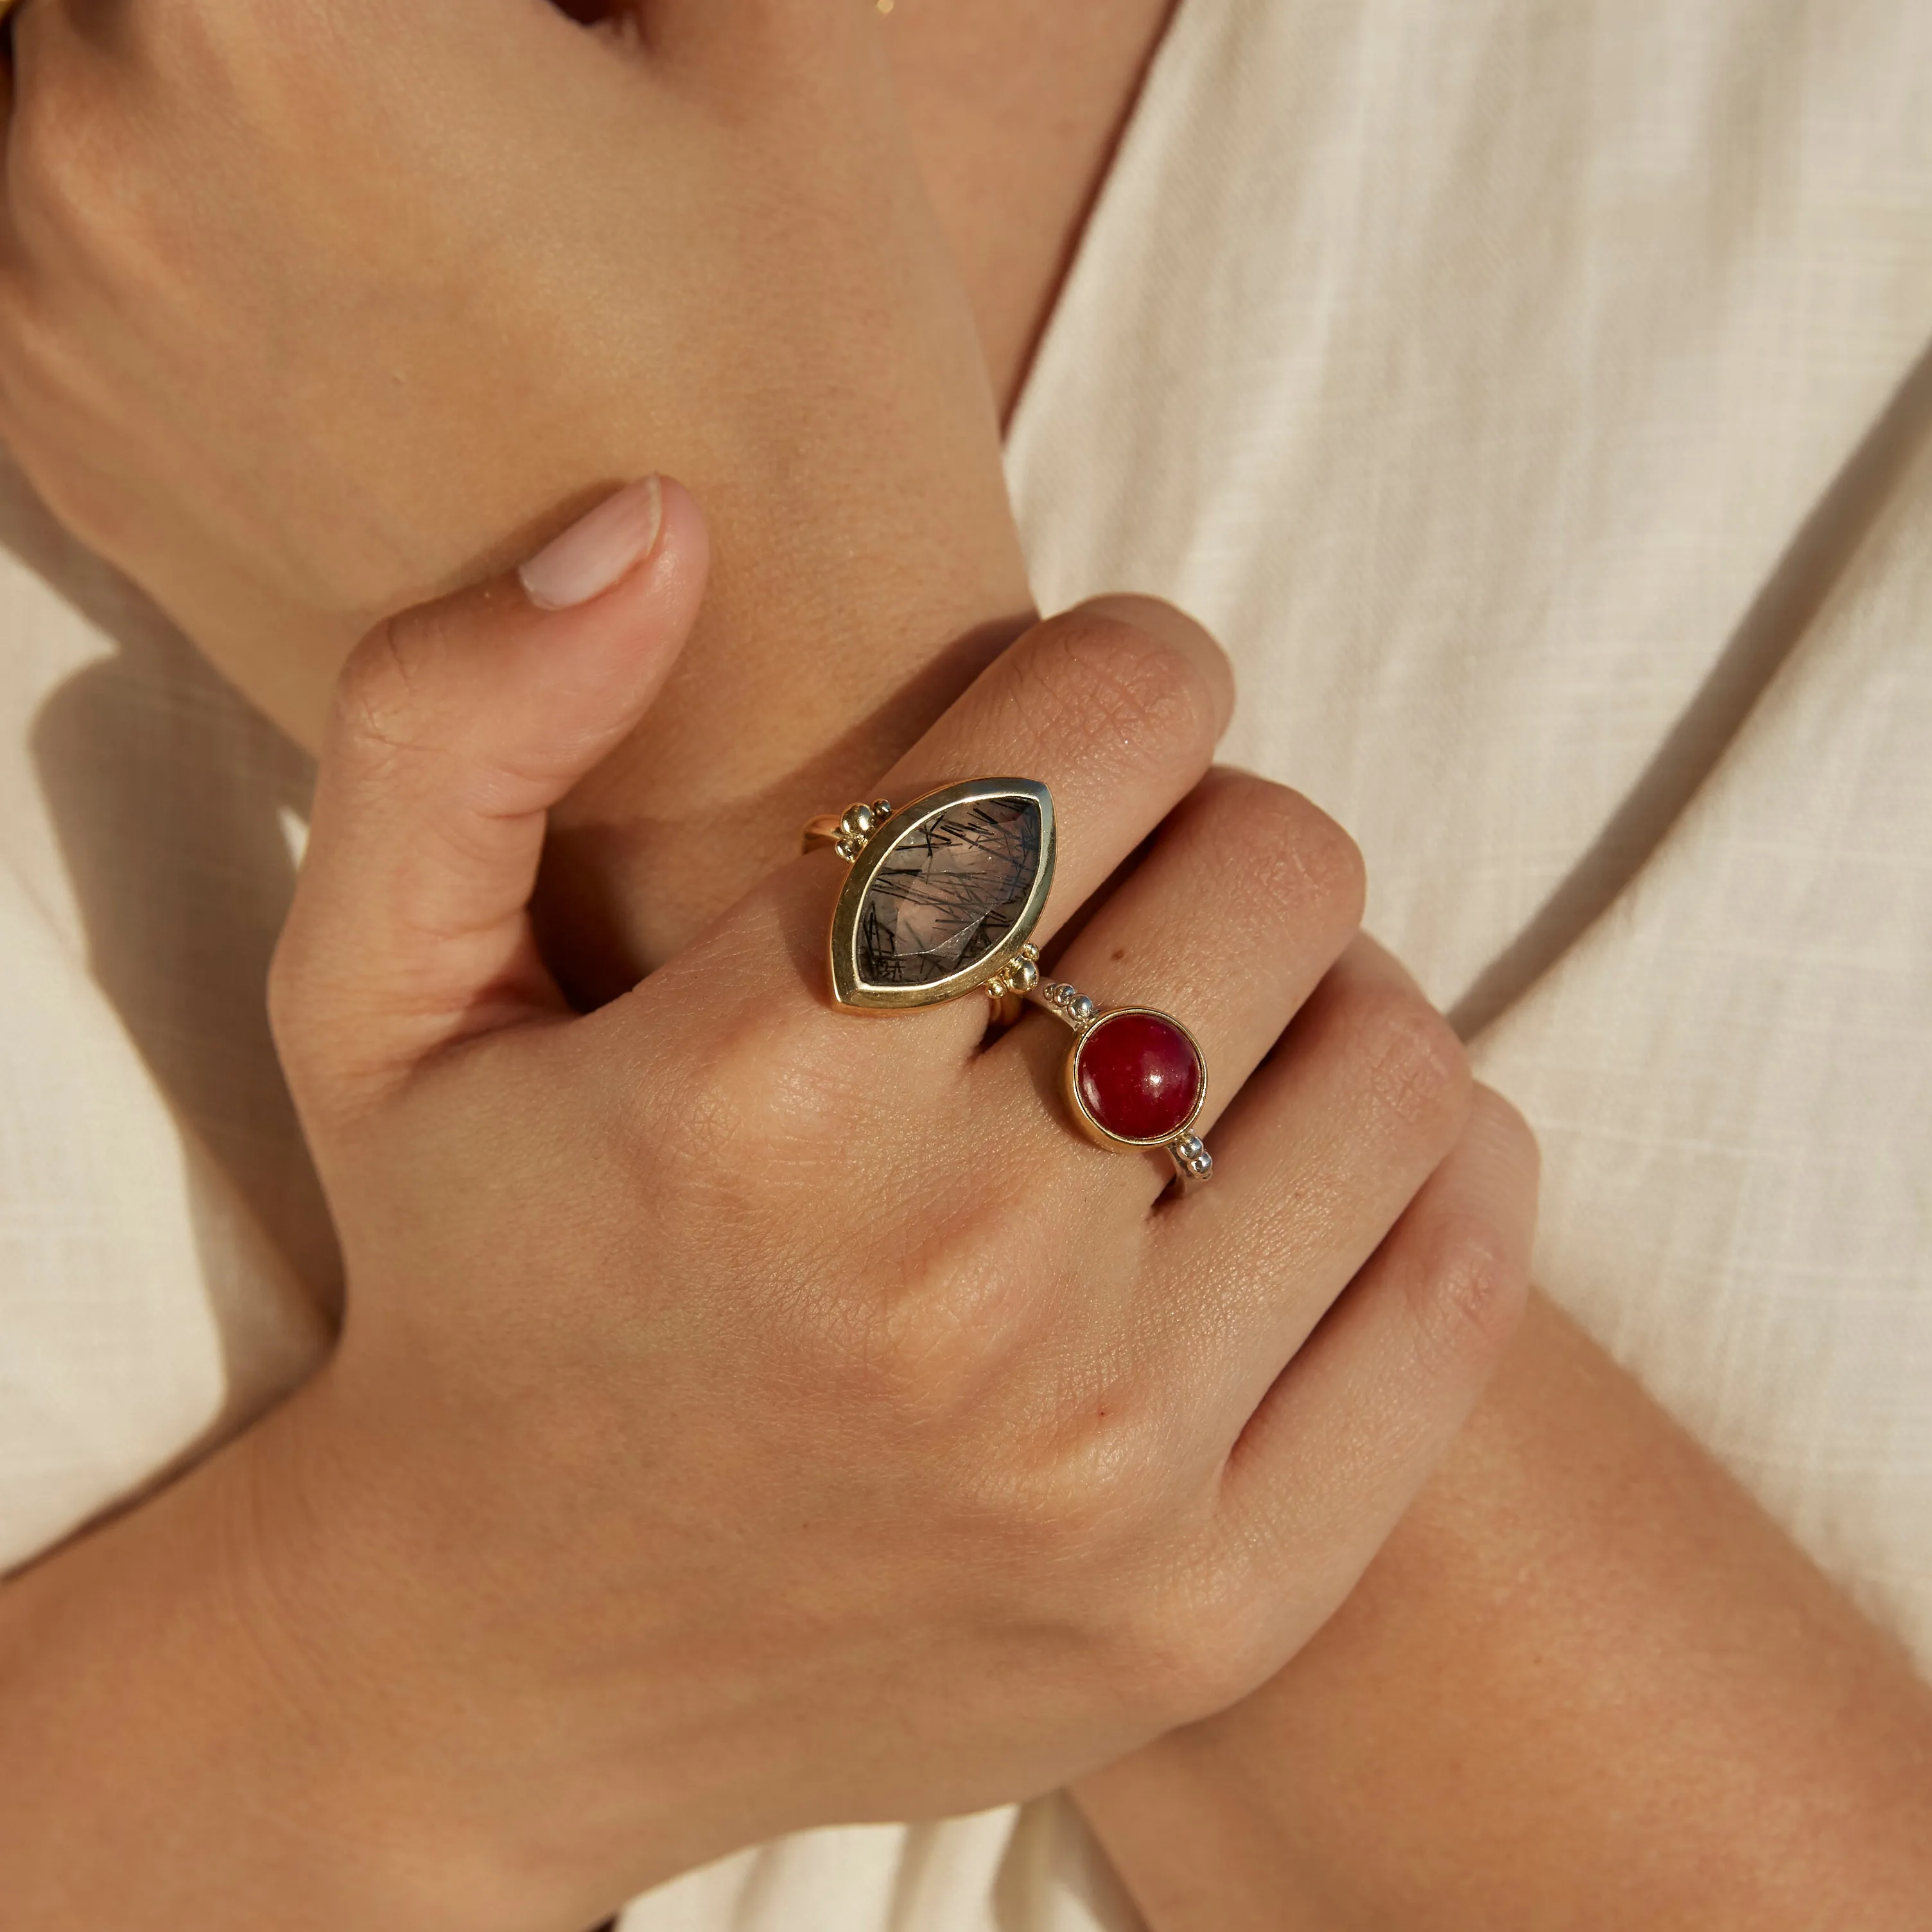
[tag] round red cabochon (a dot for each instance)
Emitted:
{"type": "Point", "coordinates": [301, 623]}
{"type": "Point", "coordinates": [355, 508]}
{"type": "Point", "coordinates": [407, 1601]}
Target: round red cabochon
{"type": "Point", "coordinates": [1138, 1076]}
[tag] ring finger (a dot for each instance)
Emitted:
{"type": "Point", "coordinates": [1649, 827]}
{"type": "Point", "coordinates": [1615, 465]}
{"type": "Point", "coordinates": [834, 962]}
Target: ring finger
{"type": "Point", "coordinates": [1324, 1149]}
{"type": "Point", "coordinates": [1246, 897]}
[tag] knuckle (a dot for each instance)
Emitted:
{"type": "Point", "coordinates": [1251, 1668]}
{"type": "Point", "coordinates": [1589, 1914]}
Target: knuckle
{"type": "Point", "coordinates": [1103, 1474]}
{"type": "Point", "coordinates": [933, 1344]}
{"type": "Point", "coordinates": [1284, 851]}
{"type": "Point", "coordinates": [1154, 617]}
{"type": "Point", "coordinates": [59, 158]}
{"type": "Point", "coordinates": [912, 1321]}
{"type": "Point", "coordinates": [1500, 1132]}
{"type": "Point", "coordinates": [1417, 1069]}
{"type": "Point", "coordinates": [381, 712]}
{"type": "Point", "coordinates": [75, 173]}
{"type": "Point", "coordinates": [1108, 680]}
{"type": "Point", "coordinates": [288, 1003]}
{"type": "Point", "coordinates": [1469, 1297]}
{"type": "Point", "coordinates": [303, 1023]}
{"type": "Point", "coordinates": [1077, 1468]}
{"type": "Point", "coordinates": [1197, 1642]}
{"type": "Point", "coordinates": [759, 1092]}
{"type": "Point", "coordinates": [1329, 863]}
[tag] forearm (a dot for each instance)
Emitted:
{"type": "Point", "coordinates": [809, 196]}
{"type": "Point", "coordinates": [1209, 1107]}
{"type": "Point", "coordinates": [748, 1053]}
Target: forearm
{"type": "Point", "coordinates": [168, 1760]}
{"type": "Point", "coordinates": [1586, 1683]}
{"type": "Point", "coordinates": [132, 1709]}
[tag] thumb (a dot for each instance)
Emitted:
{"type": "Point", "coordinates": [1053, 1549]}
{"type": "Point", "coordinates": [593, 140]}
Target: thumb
{"type": "Point", "coordinates": [456, 727]}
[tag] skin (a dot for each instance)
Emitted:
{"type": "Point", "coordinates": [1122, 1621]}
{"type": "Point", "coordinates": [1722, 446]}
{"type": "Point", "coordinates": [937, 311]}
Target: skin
{"type": "Point", "coordinates": [1677, 1722]}
{"type": "Point", "coordinates": [1676, 1568]}
{"type": "Point", "coordinates": [1586, 1684]}
{"type": "Point", "coordinates": [1013, 110]}
{"type": "Point", "coordinates": [505, 1624]}
{"type": "Point", "coordinates": [706, 253]}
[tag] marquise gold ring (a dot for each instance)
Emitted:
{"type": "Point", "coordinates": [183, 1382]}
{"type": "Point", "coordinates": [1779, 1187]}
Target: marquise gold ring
{"type": "Point", "coordinates": [944, 894]}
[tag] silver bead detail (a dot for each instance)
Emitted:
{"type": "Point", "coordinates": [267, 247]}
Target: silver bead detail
{"type": "Point", "coordinates": [1081, 1008]}
{"type": "Point", "coordinates": [1189, 1147]}
{"type": "Point", "coordinates": [1022, 976]}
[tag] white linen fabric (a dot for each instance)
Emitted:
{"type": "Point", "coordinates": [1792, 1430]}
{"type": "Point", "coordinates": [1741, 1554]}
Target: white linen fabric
{"type": "Point", "coordinates": [1535, 395]}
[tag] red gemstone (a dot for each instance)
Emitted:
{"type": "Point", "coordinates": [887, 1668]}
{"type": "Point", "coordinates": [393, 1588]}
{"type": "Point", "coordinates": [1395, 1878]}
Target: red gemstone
{"type": "Point", "coordinates": [1139, 1076]}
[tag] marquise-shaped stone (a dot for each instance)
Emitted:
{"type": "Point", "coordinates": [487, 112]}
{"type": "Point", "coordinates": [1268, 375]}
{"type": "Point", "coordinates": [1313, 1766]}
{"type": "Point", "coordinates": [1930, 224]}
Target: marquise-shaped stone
{"type": "Point", "coordinates": [949, 891]}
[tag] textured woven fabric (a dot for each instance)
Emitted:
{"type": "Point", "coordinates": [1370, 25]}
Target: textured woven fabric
{"type": "Point", "coordinates": [1531, 393]}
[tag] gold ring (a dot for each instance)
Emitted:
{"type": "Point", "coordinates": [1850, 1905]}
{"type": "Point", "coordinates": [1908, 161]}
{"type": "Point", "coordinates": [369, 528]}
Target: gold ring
{"type": "Point", "coordinates": [943, 895]}
{"type": "Point", "coordinates": [1135, 1077]}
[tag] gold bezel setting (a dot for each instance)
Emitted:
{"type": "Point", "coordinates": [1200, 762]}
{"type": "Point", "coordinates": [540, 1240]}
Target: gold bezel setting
{"type": "Point", "coordinates": [885, 831]}
{"type": "Point", "coordinates": [1192, 1163]}
{"type": "Point", "coordinates": [1076, 1100]}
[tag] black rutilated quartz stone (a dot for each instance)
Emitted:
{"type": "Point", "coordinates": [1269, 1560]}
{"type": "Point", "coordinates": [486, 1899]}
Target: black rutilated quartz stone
{"type": "Point", "coordinates": [949, 892]}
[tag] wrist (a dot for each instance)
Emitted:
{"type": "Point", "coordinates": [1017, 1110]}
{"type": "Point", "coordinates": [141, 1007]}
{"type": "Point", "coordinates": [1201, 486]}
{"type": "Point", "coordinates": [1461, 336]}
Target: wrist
{"type": "Point", "coordinates": [193, 1730]}
{"type": "Point", "coordinates": [419, 1634]}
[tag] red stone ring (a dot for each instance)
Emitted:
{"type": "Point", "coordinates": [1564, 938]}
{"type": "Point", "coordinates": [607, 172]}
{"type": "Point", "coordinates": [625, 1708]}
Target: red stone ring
{"type": "Point", "coordinates": [1134, 1078]}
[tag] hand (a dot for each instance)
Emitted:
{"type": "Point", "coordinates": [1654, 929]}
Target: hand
{"type": "Point", "coordinates": [301, 310]}
{"type": "Point", "coordinates": [1585, 1683]}
{"type": "Point", "coordinates": [749, 1415]}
